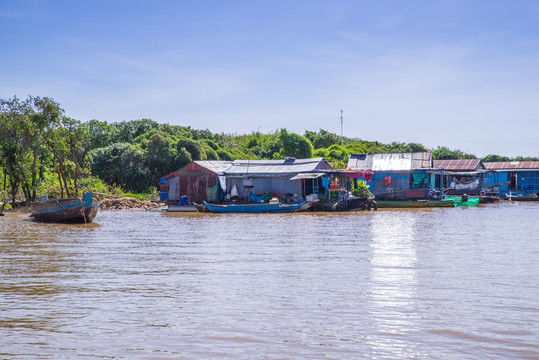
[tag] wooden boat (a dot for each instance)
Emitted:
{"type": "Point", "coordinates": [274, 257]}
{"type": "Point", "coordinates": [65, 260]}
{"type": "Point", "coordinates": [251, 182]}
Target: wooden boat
{"type": "Point", "coordinates": [488, 199]}
{"type": "Point", "coordinates": [521, 197]}
{"type": "Point", "coordinates": [66, 210]}
{"type": "Point", "coordinates": [462, 201]}
{"type": "Point", "coordinates": [414, 203]}
{"type": "Point", "coordinates": [182, 208]}
{"type": "Point", "coordinates": [308, 205]}
{"type": "Point", "coordinates": [254, 208]}
{"type": "Point", "coordinates": [355, 204]}
{"type": "Point", "coordinates": [200, 207]}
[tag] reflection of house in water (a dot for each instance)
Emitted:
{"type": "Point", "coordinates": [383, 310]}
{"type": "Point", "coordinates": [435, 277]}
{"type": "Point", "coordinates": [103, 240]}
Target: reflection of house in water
{"type": "Point", "coordinates": [403, 176]}
{"type": "Point", "coordinates": [517, 177]}
{"type": "Point", "coordinates": [463, 176]}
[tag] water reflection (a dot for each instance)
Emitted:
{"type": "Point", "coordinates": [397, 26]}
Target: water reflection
{"type": "Point", "coordinates": [393, 279]}
{"type": "Point", "coordinates": [427, 284]}
{"type": "Point", "coordinates": [35, 258]}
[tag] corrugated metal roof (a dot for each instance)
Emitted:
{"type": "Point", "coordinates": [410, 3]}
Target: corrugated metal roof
{"type": "Point", "coordinates": [216, 166]}
{"type": "Point", "coordinates": [391, 162]}
{"type": "Point", "coordinates": [512, 165]}
{"type": "Point", "coordinates": [286, 166]}
{"type": "Point", "coordinates": [458, 165]}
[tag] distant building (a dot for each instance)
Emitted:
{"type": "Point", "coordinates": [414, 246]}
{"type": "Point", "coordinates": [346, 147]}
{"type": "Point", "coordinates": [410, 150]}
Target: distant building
{"type": "Point", "coordinates": [402, 176]}
{"type": "Point", "coordinates": [462, 176]}
{"type": "Point", "coordinates": [517, 177]}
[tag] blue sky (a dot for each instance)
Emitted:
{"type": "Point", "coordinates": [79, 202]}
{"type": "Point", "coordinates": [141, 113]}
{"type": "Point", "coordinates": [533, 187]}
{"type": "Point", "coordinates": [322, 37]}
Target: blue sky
{"type": "Point", "coordinates": [461, 74]}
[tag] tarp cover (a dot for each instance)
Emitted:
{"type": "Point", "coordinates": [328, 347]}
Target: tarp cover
{"type": "Point", "coordinates": [419, 179]}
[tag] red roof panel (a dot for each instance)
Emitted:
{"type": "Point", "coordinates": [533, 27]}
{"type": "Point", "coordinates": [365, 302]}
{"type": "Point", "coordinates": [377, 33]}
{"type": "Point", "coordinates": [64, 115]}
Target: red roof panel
{"type": "Point", "coordinates": [459, 165]}
{"type": "Point", "coordinates": [510, 165]}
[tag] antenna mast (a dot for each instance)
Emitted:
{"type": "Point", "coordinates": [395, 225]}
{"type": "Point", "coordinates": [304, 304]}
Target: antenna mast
{"type": "Point", "coordinates": [341, 124]}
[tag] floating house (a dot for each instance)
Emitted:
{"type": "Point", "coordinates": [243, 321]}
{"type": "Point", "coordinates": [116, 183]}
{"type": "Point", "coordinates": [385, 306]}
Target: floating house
{"type": "Point", "coordinates": [212, 181]}
{"type": "Point", "coordinates": [515, 178]}
{"type": "Point", "coordinates": [462, 176]}
{"type": "Point", "coordinates": [290, 176]}
{"type": "Point", "coordinates": [398, 176]}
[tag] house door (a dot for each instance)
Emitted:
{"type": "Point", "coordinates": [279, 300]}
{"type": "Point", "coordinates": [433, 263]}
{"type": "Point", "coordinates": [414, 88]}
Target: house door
{"type": "Point", "coordinates": [513, 179]}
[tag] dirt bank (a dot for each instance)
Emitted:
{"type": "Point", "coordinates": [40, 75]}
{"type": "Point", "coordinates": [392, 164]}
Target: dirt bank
{"type": "Point", "coordinates": [125, 203]}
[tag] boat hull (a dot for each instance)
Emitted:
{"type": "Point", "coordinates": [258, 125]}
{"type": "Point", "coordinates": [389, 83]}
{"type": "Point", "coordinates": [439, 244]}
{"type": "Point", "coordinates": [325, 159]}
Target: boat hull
{"type": "Point", "coordinates": [522, 198]}
{"type": "Point", "coordinates": [356, 204]}
{"type": "Point", "coordinates": [66, 210]}
{"type": "Point", "coordinates": [414, 203]}
{"type": "Point", "coordinates": [182, 208]}
{"type": "Point", "coordinates": [256, 208]}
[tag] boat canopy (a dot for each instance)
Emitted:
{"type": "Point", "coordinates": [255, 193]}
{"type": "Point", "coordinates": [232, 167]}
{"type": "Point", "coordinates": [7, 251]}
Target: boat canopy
{"type": "Point", "coordinates": [303, 176]}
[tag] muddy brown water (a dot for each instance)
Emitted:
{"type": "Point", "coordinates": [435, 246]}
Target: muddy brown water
{"type": "Point", "coordinates": [392, 284]}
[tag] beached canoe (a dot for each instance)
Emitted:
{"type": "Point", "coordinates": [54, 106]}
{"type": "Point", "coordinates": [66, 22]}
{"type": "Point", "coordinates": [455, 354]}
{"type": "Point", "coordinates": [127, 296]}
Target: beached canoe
{"type": "Point", "coordinates": [66, 210]}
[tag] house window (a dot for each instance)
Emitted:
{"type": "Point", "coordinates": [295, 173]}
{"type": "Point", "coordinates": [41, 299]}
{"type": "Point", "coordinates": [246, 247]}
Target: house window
{"type": "Point", "coordinates": [530, 180]}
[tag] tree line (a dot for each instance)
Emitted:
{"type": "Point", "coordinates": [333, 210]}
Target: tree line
{"type": "Point", "coordinates": [43, 151]}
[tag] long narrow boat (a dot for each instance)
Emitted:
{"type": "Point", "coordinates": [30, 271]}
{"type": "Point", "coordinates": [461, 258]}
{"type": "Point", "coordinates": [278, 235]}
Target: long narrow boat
{"type": "Point", "coordinates": [414, 203]}
{"type": "Point", "coordinates": [66, 210]}
{"type": "Point", "coordinates": [252, 208]}
{"type": "Point", "coordinates": [521, 197]}
{"type": "Point", "coordinates": [182, 208]}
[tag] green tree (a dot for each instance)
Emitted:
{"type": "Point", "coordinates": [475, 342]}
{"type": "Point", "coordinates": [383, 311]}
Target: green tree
{"type": "Point", "coordinates": [183, 158]}
{"type": "Point", "coordinates": [161, 156]}
{"type": "Point", "coordinates": [356, 148]}
{"type": "Point", "coordinates": [225, 155]}
{"type": "Point", "coordinates": [128, 131]}
{"type": "Point", "coordinates": [23, 126]}
{"type": "Point", "coordinates": [495, 158]}
{"type": "Point", "coordinates": [443, 153]}
{"type": "Point", "coordinates": [101, 134]}
{"type": "Point", "coordinates": [337, 152]}
{"type": "Point", "coordinates": [295, 145]}
{"type": "Point", "coordinates": [121, 165]}
{"type": "Point", "coordinates": [323, 139]}
{"type": "Point", "coordinates": [193, 147]}
{"type": "Point", "coordinates": [77, 137]}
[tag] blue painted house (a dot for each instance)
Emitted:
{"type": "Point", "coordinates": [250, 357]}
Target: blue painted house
{"type": "Point", "coordinates": [398, 176]}
{"type": "Point", "coordinates": [515, 177]}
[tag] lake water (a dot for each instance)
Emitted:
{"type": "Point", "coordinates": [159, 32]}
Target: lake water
{"type": "Point", "coordinates": [394, 284]}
